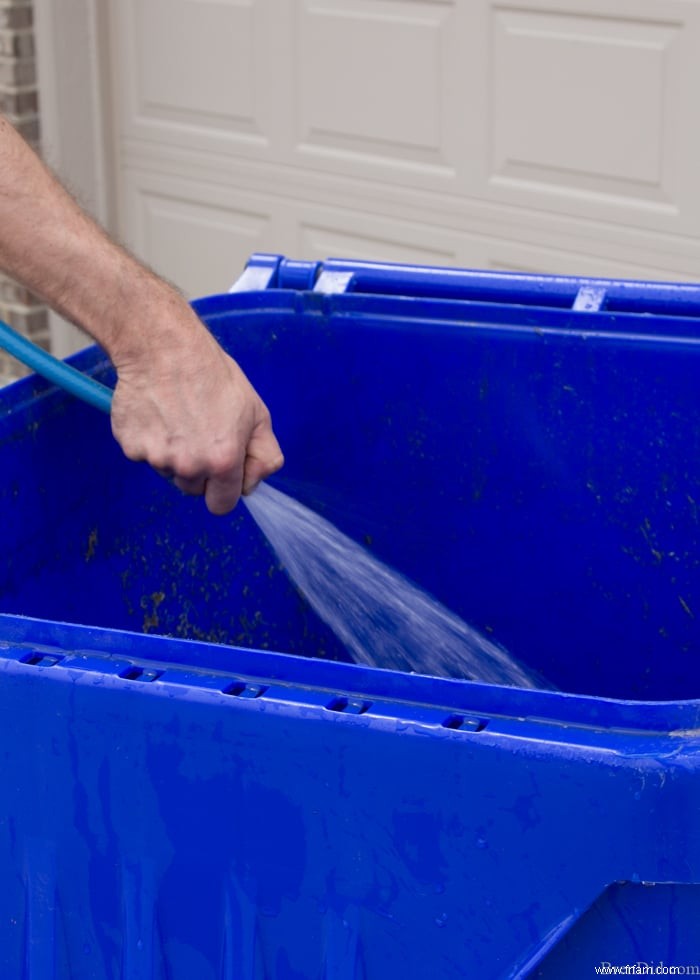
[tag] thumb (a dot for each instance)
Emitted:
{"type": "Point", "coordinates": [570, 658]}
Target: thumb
{"type": "Point", "coordinates": [263, 456]}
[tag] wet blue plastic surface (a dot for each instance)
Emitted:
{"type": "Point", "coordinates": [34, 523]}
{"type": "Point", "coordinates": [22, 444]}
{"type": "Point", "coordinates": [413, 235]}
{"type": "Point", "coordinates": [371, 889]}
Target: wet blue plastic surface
{"type": "Point", "coordinates": [534, 466]}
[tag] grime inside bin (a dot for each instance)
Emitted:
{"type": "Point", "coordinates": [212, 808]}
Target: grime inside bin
{"type": "Point", "coordinates": [539, 479]}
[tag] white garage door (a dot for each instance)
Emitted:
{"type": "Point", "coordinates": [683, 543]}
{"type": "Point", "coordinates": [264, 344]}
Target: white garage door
{"type": "Point", "coordinates": [554, 136]}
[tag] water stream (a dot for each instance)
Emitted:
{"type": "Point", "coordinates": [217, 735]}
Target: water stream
{"type": "Point", "coordinates": [382, 618]}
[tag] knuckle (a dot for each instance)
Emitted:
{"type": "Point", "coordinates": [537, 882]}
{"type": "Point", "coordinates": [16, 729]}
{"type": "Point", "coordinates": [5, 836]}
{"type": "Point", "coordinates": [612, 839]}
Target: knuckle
{"type": "Point", "coordinates": [133, 449]}
{"type": "Point", "coordinates": [222, 460]}
{"type": "Point", "coordinates": [187, 468]}
{"type": "Point", "coordinates": [158, 460]}
{"type": "Point", "coordinates": [276, 464]}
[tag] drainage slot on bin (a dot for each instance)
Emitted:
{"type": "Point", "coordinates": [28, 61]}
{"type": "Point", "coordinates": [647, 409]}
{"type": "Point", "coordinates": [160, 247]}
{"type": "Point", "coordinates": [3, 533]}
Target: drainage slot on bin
{"type": "Point", "coordinates": [38, 659]}
{"type": "Point", "coordinates": [350, 706]}
{"type": "Point", "coordinates": [241, 690]}
{"type": "Point", "coordinates": [465, 723]}
{"type": "Point", "coordinates": [134, 673]}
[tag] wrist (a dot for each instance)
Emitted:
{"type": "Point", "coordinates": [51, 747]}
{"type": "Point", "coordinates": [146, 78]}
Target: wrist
{"type": "Point", "coordinates": [146, 320]}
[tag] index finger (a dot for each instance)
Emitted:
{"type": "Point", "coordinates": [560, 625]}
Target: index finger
{"type": "Point", "coordinates": [222, 493]}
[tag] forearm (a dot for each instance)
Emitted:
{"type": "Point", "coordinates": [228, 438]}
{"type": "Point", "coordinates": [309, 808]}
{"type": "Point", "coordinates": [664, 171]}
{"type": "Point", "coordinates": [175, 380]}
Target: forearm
{"type": "Point", "coordinates": [181, 402]}
{"type": "Point", "coordinates": [54, 249]}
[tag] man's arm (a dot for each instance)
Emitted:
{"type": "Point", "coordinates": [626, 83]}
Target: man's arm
{"type": "Point", "coordinates": [181, 403]}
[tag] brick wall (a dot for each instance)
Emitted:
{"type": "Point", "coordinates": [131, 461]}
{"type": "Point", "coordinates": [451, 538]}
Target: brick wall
{"type": "Point", "coordinates": [19, 101]}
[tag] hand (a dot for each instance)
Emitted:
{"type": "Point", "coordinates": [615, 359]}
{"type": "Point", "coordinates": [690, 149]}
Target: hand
{"type": "Point", "coordinates": [181, 403]}
{"type": "Point", "coordinates": [188, 409]}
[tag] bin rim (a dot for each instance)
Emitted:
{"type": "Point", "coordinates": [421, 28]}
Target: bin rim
{"type": "Point", "coordinates": [20, 636]}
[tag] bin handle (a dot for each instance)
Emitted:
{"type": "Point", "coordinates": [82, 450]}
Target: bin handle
{"type": "Point", "coordinates": [578, 293]}
{"type": "Point", "coordinates": [58, 372]}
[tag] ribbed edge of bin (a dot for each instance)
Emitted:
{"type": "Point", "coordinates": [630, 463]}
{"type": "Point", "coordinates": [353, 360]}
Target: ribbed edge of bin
{"type": "Point", "coordinates": [348, 689]}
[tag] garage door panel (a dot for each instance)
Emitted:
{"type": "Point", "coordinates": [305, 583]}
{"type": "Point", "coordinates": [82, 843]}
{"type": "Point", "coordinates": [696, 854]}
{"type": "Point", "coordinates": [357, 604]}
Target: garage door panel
{"type": "Point", "coordinates": [194, 73]}
{"type": "Point", "coordinates": [530, 257]}
{"type": "Point", "coordinates": [217, 36]}
{"type": "Point", "coordinates": [609, 124]}
{"type": "Point", "coordinates": [197, 236]}
{"type": "Point", "coordinates": [354, 236]}
{"type": "Point", "coordinates": [590, 110]}
{"type": "Point", "coordinates": [372, 79]}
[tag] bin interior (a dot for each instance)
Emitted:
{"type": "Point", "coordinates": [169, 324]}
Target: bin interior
{"type": "Point", "coordinates": [540, 482]}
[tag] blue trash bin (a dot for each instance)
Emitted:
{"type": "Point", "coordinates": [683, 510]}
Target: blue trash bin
{"type": "Point", "coordinates": [195, 781]}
